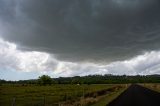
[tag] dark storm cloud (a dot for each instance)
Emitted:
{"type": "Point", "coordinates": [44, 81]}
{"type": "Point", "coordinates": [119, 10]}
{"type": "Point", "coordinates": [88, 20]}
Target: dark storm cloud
{"type": "Point", "coordinates": [83, 30]}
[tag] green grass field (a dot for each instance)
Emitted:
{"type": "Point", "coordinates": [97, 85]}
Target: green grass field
{"type": "Point", "coordinates": [49, 95]}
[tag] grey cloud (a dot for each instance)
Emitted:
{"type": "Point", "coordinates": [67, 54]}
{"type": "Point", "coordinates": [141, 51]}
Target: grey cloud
{"type": "Point", "coordinates": [44, 63]}
{"type": "Point", "coordinates": [14, 59]}
{"type": "Point", "coordinates": [147, 63]}
{"type": "Point", "coordinates": [83, 30]}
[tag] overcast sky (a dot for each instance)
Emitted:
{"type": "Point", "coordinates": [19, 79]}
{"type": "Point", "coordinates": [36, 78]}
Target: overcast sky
{"type": "Point", "coordinates": [78, 37]}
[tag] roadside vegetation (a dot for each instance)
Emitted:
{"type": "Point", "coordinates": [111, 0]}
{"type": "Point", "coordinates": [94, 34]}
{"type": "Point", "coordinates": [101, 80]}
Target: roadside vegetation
{"type": "Point", "coordinates": [152, 86]}
{"type": "Point", "coordinates": [111, 96]}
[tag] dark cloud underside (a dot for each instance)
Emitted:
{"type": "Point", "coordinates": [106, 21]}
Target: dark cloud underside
{"type": "Point", "coordinates": [83, 30]}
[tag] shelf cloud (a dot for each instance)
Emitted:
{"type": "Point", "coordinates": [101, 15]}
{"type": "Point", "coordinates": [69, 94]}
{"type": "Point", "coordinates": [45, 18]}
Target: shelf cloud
{"type": "Point", "coordinates": [16, 60]}
{"type": "Point", "coordinates": [83, 31]}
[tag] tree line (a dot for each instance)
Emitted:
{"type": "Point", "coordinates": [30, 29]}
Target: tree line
{"type": "Point", "coordinates": [90, 79]}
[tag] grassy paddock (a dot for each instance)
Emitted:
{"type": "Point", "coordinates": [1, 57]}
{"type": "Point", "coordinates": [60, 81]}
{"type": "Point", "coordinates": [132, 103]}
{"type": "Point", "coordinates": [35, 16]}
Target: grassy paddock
{"type": "Point", "coordinates": [152, 86]}
{"type": "Point", "coordinates": [50, 95]}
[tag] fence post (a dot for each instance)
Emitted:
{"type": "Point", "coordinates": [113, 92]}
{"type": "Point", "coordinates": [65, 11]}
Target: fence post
{"type": "Point", "coordinates": [59, 104]}
{"type": "Point", "coordinates": [14, 101]}
{"type": "Point", "coordinates": [44, 101]}
{"type": "Point", "coordinates": [82, 98]}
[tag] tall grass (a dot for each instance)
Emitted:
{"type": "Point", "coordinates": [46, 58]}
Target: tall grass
{"type": "Point", "coordinates": [32, 95]}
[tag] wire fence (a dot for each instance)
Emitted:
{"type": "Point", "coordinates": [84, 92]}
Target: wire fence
{"type": "Point", "coordinates": [48, 100]}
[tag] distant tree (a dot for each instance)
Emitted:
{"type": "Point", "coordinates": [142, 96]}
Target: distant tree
{"type": "Point", "coordinates": [45, 80]}
{"type": "Point", "coordinates": [75, 81]}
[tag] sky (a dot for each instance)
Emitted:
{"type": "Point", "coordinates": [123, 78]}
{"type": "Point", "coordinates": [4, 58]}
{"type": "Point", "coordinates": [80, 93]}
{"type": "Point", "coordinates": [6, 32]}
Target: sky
{"type": "Point", "coordinates": [64, 38]}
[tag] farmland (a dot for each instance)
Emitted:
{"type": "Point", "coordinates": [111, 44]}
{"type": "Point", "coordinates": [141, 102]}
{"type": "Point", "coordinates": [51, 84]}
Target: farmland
{"type": "Point", "coordinates": [152, 86]}
{"type": "Point", "coordinates": [93, 90]}
{"type": "Point", "coordinates": [54, 95]}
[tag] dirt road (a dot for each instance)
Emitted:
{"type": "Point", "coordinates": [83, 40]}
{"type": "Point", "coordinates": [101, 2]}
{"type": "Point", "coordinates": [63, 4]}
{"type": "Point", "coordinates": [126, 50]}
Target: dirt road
{"type": "Point", "coordinates": [137, 95]}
